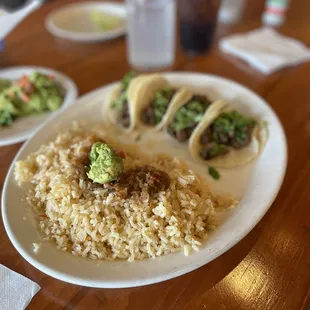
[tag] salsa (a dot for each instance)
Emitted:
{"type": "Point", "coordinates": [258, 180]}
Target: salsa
{"type": "Point", "coordinates": [141, 178]}
{"type": "Point", "coordinates": [4, 84]}
{"type": "Point", "coordinates": [105, 165]}
{"type": "Point", "coordinates": [32, 94]}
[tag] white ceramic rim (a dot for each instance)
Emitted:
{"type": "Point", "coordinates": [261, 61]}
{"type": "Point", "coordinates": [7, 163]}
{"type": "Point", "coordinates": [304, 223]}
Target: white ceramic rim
{"type": "Point", "coordinates": [155, 279]}
{"type": "Point", "coordinates": [84, 36]}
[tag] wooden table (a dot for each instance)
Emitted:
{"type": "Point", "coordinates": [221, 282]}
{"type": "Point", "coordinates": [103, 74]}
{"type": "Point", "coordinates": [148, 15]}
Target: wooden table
{"type": "Point", "coordinates": [268, 269]}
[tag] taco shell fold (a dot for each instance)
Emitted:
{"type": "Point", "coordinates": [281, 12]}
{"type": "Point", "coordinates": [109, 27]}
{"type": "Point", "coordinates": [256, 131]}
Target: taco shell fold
{"type": "Point", "coordinates": [234, 157]}
{"type": "Point", "coordinates": [146, 92]}
{"type": "Point", "coordinates": [113, 114]}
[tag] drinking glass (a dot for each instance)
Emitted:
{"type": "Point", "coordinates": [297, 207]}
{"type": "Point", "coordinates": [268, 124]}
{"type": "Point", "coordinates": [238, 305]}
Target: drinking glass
{"type": "Point", "coordinates": [151, 33]}
{"type": "Point", "coordinates": [197, 24]}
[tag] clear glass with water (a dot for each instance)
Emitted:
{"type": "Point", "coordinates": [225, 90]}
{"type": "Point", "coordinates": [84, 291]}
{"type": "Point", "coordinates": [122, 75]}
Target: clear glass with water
{"type": "Point", "coordinates": [151, 33]}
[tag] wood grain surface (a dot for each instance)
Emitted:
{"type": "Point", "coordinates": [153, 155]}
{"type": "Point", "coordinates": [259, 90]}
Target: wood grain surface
{"type": "Point", "coordinates": [270, 267]}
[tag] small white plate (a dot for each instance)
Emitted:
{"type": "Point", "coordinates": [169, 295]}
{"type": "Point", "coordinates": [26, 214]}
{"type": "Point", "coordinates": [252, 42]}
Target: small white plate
{"type": "Point", "coordinates": [73, 22]}
{"type": "Point", "coordinates": [23, 127]}
{"type": "Point", "coordinates": [256, 183]}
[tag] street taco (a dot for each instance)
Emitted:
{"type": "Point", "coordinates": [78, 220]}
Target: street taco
{"type": "Point", "coordinates": [155, 101]}
{"type": "Point", "coordinates": [187, 115]}
{"type": "Point", "coordinates": [120, 107]}
{"type": "Point", "coordinates": [226, 138]}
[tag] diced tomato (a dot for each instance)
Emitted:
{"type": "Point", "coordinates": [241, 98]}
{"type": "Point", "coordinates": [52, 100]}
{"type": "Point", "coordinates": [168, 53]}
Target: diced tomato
{"type": "Point", "coordinates": [24, 80]}
{"type": "Point", "coordinates": [120, 153]}
{"type": "Point", "coordinates": [25, 84]}
{"type": "Point", "coordinates": [29, 89]}
{"type": "Point", "coordinates": [24, 97]}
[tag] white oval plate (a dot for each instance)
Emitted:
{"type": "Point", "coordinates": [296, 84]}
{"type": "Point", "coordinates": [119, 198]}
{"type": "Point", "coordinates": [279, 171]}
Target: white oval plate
{"type": "Point", "coordinates": [73, 22]}
{"type": "Point", "coordinates": [257, 184]}
{"type": "Point", "coordinates": [24, 127]}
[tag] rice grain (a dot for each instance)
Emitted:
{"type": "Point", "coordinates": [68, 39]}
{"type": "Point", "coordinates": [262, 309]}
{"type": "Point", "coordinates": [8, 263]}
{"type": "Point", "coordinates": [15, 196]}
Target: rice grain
{"type": "Point", "coordinates": [85, 219]}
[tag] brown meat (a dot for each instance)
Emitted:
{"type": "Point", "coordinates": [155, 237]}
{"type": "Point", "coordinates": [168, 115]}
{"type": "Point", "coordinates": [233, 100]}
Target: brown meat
{"type": "Point", "coordinates": [238, 143]}
{"type": "Point", "coordinates": [202, 99]}
{"type": "Point", "coordinates": [184, 134]}
{"type": "Point", "coordinates": [138, 179]}
{"type": "Point", "coordinates": [148, 115]}
{"type": "Point", "coordinates": [206, 136]}
{"type": "Point", "coordinates": [207, 154]}
{"type": "Point", "coordinates": [125, 116]}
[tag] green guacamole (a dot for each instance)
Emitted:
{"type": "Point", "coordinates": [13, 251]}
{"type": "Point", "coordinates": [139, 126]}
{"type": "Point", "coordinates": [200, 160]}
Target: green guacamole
{"type": "Point", "coordinates": [105, 165]}
{"type": "Point", "coordinates": [4, 84]}
{"type": "Point", "coordinates": [32, 94]}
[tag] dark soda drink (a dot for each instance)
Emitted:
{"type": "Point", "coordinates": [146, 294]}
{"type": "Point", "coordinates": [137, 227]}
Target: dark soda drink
{"type": "Point", "coordinates": [197, 24]}
{"type": "Point", "coordinates": [196, 38]}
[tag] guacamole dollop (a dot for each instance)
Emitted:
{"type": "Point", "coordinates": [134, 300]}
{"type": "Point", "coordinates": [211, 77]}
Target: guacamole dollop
{"type": "Point", "coordinates": [105, 165]}
{"type": "Point", "coordinates": [32, 94]}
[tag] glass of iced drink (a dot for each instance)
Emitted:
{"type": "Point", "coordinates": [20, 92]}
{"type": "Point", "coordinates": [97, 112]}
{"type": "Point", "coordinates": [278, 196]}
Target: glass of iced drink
{"type": "Point", "coordinates": [151, 33]}
{"type": "Point", "coordinates": [197, 20]}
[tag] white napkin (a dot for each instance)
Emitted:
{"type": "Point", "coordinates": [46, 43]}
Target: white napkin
{"type": "Point", "coordinates": [266, 50]}
{"type": "Point", "coordinates": [16, 291]}
{"type": "Point", "coordinates": [8, 21]}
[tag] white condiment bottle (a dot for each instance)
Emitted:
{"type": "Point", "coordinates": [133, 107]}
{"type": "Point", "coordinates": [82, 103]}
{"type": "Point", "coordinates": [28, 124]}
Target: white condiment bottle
{"type": "Point", "coordinates": [275, 12]}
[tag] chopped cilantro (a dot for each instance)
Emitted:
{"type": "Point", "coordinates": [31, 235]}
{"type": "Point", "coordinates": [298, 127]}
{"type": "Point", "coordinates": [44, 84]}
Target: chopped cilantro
{"type": "Point", "coordinates": [161, 103]}
{"type": "Point", "coordinates": [188, 115]}
{"type": "Point", "coordinates": [138, 137]}
{"type": "Point", "coordinates": [218, 149]}
{"type": "Point", "coordinates": [214, 173]}
{"type": "Point", "coordinates": [232, 121]}
{"type": "Point", "coordinates": [118, 103]}
{"type": "Point", "coordinates": [127, 79]}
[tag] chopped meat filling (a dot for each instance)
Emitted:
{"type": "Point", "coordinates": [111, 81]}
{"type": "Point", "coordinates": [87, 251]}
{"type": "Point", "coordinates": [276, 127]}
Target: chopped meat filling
{"type": "Point", "coordinates": [230, 129]}
{"type": "Point", "coordinates": [156, 110]}
{"type": "Point", "coordinates": [188, 117]}
{"type": "Point", "coordinates": [138, 179]}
